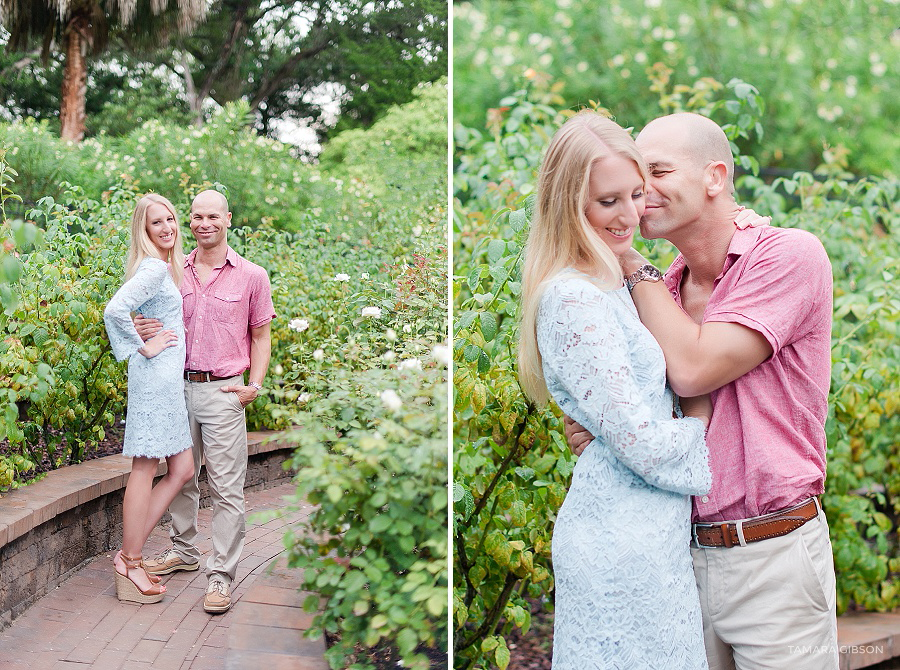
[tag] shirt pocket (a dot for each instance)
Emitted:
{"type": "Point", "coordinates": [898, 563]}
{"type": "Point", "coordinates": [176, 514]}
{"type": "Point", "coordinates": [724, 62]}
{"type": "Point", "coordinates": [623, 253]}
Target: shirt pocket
{"type": "Point", "coordinates": [227, 307]}
{"type": "Point", "coordinates": [189, 304]}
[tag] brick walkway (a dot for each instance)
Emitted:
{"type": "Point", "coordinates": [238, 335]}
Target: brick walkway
{"type": "Point", "coordinates": [82, 625]}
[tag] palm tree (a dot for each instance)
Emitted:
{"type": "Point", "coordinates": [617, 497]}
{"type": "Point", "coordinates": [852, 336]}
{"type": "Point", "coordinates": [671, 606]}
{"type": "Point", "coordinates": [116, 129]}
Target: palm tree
{"type": "Point", "coordinates": [76, 27]}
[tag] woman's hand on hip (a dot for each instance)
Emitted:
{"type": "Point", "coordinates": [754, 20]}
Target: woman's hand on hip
{"type": "Point", "coordinates": [162, 340]}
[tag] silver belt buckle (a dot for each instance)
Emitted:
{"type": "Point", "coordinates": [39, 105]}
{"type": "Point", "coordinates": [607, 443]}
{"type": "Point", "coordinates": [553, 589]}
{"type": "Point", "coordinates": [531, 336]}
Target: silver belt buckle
{"type": "Point", "coordinates": [697, 541]}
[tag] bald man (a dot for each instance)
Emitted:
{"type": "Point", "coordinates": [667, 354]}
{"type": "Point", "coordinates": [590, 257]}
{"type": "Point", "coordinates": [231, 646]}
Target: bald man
{"type": "Point", "coordinates": [227, 314]}
{"type": "Point", "coordinates": [750, 324]}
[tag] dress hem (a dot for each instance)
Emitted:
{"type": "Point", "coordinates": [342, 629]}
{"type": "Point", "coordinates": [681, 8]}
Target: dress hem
{"type": "Point", "coordinates": [165, 455]}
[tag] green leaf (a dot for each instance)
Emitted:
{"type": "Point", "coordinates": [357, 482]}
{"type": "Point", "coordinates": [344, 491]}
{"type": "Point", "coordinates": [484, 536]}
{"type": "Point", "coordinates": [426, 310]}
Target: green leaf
{"type": "Point", "coordinates": [744, 90]}
{"type": "Point", "coordinates": [495, 251]}
{"type": "Point", "coordinates": [484, 363]}
{"type": "Point", "coordinates": [407, 640]}
{"type": "Point", "coordinates": [490, 643]}
{"type": "Point", "coordinates": [380, 523]}
{"type": "Point", "coordinates": [436, 605]}
{"type": "Point", "coordinates": [518, 220]}
{"type": "Point", "coordinates": [501, 656]}
{"type": "Point", "coordinates": [472, 352]}
{"type": "Point", "coordinates": [488, 325]}
{"type": "Point", "coordinates": [464, 320]}
{"type": "Point", "coordinates": [474, 278]}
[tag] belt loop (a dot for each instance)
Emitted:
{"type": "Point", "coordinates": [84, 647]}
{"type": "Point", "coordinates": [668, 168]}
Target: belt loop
{"type": "Point", "coordinates": [740, 532]}
{"type": "Point", "coordinates": [726, 536]}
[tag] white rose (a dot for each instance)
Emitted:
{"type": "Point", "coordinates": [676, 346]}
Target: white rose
{"type": "Point", "coordinates": [342, 277]}
{"type": "Point", "coordinates": [372, 311]}
{"type": "Point", "coordinates": [319, 355]}
{"type": "Point", "coordinates": [410, 364]}
{"type": "Point", "coordinates": [441, 353]}
{"type": "Point", "coordinates": [299, 325]}
{"type": "Point", "coordinates": [391, 400]}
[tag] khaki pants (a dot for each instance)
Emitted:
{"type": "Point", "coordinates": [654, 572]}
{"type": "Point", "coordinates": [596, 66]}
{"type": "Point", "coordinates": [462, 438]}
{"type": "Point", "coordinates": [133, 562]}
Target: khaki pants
{"type": "Point", "coordinates": [219, 435]}
{"type": "Point", "coordinates": [770, 604]}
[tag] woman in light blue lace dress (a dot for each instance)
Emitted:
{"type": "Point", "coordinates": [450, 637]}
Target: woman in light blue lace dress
{"type": "Point", "coordinates": [156, 425]}
{"type": "Point", "coordinates": [625, 592]}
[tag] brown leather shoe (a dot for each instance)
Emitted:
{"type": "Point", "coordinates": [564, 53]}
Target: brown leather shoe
{"type": "Point", "coordinates": [218, 597]}
{"type": "Point", "coordinates": [167, 562]}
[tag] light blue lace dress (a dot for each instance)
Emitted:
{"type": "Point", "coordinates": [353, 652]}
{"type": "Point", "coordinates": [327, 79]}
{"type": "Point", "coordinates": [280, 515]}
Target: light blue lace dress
{"type": "Point", "coordinates": [625, 592]}
{"type": "Point", "coordinates": [156, 425]}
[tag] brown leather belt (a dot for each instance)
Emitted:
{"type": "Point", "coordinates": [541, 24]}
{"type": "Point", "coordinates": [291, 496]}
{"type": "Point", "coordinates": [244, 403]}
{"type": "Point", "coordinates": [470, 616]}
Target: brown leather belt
{"type": "Point", "coordinates": [739, 533]}
{"type": "Point", "coordinates": [197, 376]}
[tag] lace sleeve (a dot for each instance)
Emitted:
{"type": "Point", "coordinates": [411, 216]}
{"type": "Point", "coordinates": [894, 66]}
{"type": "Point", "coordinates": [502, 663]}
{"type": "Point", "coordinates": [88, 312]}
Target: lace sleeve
{"type": "Point", "coordinates": [145, 284]}
{"type": "Point", "coordinates": [584, 349]}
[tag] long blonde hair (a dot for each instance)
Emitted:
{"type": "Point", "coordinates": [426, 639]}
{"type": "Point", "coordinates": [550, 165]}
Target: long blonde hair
{"type": "Point", "coordinates": [560, 235]}
{"type": "Point", "coordinates": [141, 247]}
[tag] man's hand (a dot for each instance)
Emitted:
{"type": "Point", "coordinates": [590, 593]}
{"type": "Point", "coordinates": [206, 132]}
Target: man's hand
{"type": "Point", "coordinates": [576, 435]}
{"type": "Point", "coordinates": [631, 261]}
{"type": "Point", "coordinates": [699, 407]}
{"type": "Point", "coordinates": [146, 328]}
{"type": "Point", "coordinates": [246, 394]}
{"type": "Point", "coordinates": [747, 218]}
{"type": "Point", "coordinates": [162, 340]}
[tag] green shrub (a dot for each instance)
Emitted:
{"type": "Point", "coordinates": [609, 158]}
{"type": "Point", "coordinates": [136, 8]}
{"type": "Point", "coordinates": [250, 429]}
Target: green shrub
{"type": "Point", "coordinates": [55, 366]}
{"type": "Point", "coordinates": [371, 172]}
{"type": "Point", "coordinates": [376, 544]}
{"type": "Point", "coordinates": [824, 67]}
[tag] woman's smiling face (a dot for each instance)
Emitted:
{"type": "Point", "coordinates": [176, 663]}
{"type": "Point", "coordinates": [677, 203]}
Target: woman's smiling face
{"type": "Point", "coordinates": [161, 228]}
{"type": "Point", "coordinates": [615, 201]}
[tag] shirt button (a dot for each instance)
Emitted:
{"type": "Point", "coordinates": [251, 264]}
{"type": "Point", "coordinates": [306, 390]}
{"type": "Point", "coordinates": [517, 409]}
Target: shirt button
{"type": "Point", "coordinates": [704, 499]}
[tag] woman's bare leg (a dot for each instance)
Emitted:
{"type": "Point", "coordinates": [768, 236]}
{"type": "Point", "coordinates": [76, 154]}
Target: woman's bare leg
{"type": "Point", "coordinates": [144, 505]}
{"type": "Point", "coordinates": [134, 517]}
{"type": "Point", "coordinates": [180, 471]}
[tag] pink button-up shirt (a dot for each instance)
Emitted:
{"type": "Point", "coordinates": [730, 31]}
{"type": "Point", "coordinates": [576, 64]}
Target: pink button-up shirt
{"type": "Point", "coordinates": [767, 435]}
{"type": "Point", "coordinates": [218, 316]}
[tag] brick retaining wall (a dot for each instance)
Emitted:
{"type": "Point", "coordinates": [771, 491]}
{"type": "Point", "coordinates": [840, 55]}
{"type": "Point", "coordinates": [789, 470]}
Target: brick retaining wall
{"type": "Point", "coordinates": [49, 529]}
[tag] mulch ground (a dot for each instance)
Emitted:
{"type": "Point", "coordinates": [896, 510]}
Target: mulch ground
{"type": "Point", "coordinates": [387, 658]}
{"type": "Point", "coordinates": [532, 651]}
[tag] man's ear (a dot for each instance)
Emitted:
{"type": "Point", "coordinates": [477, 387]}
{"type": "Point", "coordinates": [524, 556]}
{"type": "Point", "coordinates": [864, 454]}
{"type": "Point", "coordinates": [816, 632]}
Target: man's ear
{"type": "Point", "coordinates": [716, 177]}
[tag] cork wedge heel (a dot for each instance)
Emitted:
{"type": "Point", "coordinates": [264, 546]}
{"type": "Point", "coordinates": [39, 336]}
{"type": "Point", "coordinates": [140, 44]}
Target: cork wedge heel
{"type": "Point", "coordinates": [127, 590]}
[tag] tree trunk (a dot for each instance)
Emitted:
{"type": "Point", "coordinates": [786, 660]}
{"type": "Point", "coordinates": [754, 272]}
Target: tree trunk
{"type": "Point", "coordinates": [74, 85]}
{"type": "Point", "coordinates": [194, 102]}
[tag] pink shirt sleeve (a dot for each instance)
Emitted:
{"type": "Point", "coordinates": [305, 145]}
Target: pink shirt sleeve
{"type": "Point", "coordinates": [792, 266]}
{"type": "Point", "coordinates": [261, 308]}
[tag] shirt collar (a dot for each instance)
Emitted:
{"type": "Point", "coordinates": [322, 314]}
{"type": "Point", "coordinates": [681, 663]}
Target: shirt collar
{"type": "Point", "coordinates": [741, 242]}
{"type": "Point", "coordinates": [231, 258]}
